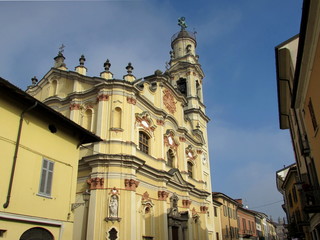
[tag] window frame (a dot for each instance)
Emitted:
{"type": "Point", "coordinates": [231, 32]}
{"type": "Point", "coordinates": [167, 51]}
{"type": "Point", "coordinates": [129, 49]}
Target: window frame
{"type": "Point", "coordinates": [190, 169]}
{"type": "Point", "coordinates": [144, 144]}
{"type": "Point", "coordinates": [46, 178]}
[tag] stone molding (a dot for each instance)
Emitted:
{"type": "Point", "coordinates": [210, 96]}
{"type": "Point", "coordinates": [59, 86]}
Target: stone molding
{"type": "Point", "coordinates": [163, 195]}
{"type": "Point", "coordinates": [131, 184]}
{"type": "Point", "coordinates": [131, 100]}
{"type": "Point", "coordinates": [169, 101]}
{"type": "Point", "coordinates": [95, 183]}
{"type": "Point", "coordinates": [103, 97]}
{"type": "Point", "coordinates": [186, 203]}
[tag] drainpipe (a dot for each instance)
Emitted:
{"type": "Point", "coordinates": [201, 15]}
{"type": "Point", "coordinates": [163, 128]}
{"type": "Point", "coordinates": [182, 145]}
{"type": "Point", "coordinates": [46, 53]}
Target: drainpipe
{"type": "Point", "coordinates": [6, 204]}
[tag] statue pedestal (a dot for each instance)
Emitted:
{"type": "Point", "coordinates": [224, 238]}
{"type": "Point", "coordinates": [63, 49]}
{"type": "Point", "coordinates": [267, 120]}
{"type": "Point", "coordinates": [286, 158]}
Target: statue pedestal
{"type": "Point", "coordinates": [112, 219]}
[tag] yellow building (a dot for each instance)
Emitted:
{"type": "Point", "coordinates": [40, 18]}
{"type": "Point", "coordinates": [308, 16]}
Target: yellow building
{"type": "Point", "coordinates": [229, 217]}
{"type": "Point", "coordinates": [217, 218]}
{"type": "Point", "coordinates": [298, 96]}
{"type": "Point", "coordinates": [150, 177]}
{"type": "Point", "coordinates": [39, 164]}
{"type": "Point", "coordinates": [287, 180]}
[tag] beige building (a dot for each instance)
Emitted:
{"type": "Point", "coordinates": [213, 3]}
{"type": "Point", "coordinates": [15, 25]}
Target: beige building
{"type": "Point", "coordinates": [150, 176]}
{"type": "Point", "coordinates": [217, 219]}
{"type": "Point", "coordinates": [39, 165]}
{"type": "Point", "coordinates": [228, 215]}
{"type": "Point", "coordinates": [298, 96]}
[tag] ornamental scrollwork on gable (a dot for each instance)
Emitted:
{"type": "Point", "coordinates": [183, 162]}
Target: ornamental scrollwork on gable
{"type": "Point", "coordinates": [191, 153]}
{"type": "Point", "coordinates": [169, 101]}
{"type": "Point", "coordinates": [144, 120]}
{"type": "Point", "coordinates": [169, 139]}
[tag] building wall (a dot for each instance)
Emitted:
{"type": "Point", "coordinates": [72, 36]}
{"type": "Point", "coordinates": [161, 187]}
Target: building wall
{"type": "Point", "coordinates": [217, 220]}
{"type": "Point", "coordinates": [246, 224]}
{"type": "Point", "coordinates": [228, 213]}
{"type": "Point", "coordinates": [27, 208]}
{"type": "Point", "coordinates": [304, 104]}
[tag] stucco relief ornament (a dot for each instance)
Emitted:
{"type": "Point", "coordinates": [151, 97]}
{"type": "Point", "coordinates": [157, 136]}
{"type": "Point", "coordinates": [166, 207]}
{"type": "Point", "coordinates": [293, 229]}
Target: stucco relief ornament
{"type": "Point", "coordinates": [169, 140]}
{"type": "Point", "coordinates": [169, 101]}
{"type": "Point", "coordinates": [144, 120]}
{"type": "Point", "coordinates": [191, 153]}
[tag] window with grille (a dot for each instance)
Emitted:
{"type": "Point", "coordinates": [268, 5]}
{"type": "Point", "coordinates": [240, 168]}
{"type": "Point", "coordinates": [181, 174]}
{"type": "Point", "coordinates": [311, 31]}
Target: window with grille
{"type": "Point", "coordinates": [46, 177]}
{"type": "Point", "coordinates": [144, 142]}
{"type": "Point", "coordinates": [190, 169]}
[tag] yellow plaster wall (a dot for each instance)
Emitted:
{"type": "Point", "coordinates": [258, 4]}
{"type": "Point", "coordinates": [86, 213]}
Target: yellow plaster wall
{"type": "Point", "coordinates": [36, 143]}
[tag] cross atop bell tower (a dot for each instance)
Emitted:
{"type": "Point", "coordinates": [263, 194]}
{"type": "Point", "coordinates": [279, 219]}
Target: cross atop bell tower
{"type": "Point", "coordinates": [185, 70]}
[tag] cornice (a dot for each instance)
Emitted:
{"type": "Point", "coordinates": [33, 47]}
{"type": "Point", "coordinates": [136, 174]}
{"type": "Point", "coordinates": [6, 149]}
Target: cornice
{"type": "Point", "coordinates": [130, 161]}
{"type": "Point", "coordinates": [197, 111]}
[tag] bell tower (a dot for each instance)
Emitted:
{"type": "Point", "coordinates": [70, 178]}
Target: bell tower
{"type": "Point", "coordinates": [185, 71]}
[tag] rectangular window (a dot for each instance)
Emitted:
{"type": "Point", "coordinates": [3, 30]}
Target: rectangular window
{"type": "Point", "coordinates": [144, 142]}
{"type": "Point", "coordinates": [227, 232]}
{"type": "Point", "coordinates": [312, 115]}
{"type": "Point", "coordinates": [215, 212]}
{"type": "Point", "coordinates": [46, 177]}
{"type": "Point", "coordinates": [217, 235]}
{"type": "Point", "coordinates": [294, 193]}
{"type": "Point", "coordinates": [244, 224]}
{"type": "Point", "coordinates": [290, 200]}
{"type": "Point", "coordinates": [229, 212]}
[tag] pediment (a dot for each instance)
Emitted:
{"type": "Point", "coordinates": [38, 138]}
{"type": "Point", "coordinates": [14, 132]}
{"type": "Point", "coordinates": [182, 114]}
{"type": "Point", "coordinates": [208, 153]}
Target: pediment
{"type": "Point", "coordinates": [177, 177]}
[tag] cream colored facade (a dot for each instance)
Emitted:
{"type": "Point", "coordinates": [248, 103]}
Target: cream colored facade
{"type": "Point", "coordinates": [150, 177]}
{"type": "Point", "coordinates": [298, 93]}
{"type": "Point", "coordinates": [229, 217]}
{"type": "Point", "coordinates": [39, 164]}
{"type": "Point", "coordinates": [217, 219]}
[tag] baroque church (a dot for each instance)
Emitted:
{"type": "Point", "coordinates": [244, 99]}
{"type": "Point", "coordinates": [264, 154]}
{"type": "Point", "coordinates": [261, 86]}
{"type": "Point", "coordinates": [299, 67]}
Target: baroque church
{"type": "Point", "coordinates": [150, 176]}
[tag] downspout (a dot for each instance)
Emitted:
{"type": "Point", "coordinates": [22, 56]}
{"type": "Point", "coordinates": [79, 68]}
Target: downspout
{"type": "Point", "coordinates": [6, 204]}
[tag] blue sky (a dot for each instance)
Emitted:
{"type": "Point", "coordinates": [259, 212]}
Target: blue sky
{"type": "Point", "coordinates": [236, 40]}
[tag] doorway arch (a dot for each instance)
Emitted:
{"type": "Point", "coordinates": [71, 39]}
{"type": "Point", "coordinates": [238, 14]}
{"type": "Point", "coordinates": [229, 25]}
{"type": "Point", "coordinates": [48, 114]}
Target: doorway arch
{"type": "Point", "coordinates": [36, 233]}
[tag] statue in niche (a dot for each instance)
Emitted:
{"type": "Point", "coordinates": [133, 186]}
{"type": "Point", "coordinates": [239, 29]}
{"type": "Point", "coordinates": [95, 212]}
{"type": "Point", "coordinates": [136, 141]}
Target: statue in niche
{"type": "Point", "coordinates": [113, 207]}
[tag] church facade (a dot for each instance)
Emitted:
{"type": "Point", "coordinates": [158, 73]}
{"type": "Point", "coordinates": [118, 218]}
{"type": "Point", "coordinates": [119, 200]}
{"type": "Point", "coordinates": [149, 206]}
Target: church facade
{"type": "Point", "coordinates": [150, 176]}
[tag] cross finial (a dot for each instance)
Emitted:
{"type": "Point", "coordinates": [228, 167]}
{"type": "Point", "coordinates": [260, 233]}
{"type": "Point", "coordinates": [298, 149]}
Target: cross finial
{"type": "Point", "coordinates": [61, 48]}
{"type": "Point", "coordinates": [182, 23]}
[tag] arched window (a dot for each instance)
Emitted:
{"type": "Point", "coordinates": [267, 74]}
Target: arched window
{"type": "Point", "coordinates": [117, 117]}
{"type": "Point", "coordinates": [87, 119]}
{"type": "Point", "coordinates": [144, 142]}
{"type": "Point", "coordinates": [54, 86]}
{"type": "Point", "coordinates": [170, 158]}
{"type": "Point", "coordinates": [36, 233]}
{"type": "Point", "coordinates": [182, 86]}
{"type": "Point", "coordinates": [190, 169]}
